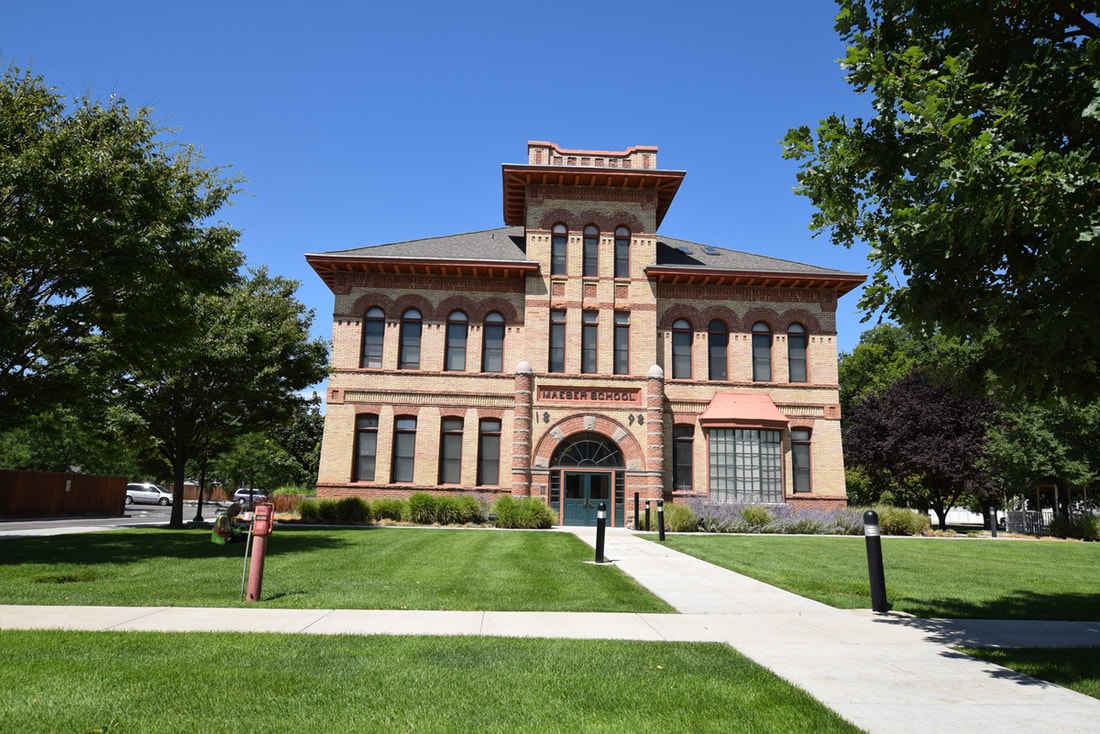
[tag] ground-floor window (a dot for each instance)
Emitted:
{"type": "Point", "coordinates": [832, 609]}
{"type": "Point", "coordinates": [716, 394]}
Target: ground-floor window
{"type": "Point", "coordinates": [488, 453]}
{"type": "Point", "coordinates": [366, 447]}
{"type": "Point", "coordinates": [404, 448]}
{"type": "Point", "coordinates": [450, 451]}
{"type": "Point", "coordinates": [745, 465]}
{"type": "Point", "coordinates": [800, 459]}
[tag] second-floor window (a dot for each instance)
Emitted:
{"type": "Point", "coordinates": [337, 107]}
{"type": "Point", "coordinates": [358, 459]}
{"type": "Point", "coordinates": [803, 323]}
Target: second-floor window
{"type": "Point", "coordinates": [374, 335]}
{"type": "Point", "coordinates": [761, 352]}
{"type": "Point", "coordinates": [718, 340]}
{"type": "Point", "coordinates": [622, 252]}
{"type": "Point", "coordinates": [409, 358]}
{"type": "Point", "coordinates": [796, 353]}
{"type": "Point", "coordinates": [681, 349]}
{"type": "Point", "coordinates": [558, 238]}
{"type": "Point", "coordinates": [456, 342]}
{"type": "Point", "coordinates": [492, 343]}
{"type": "Point", "coordinates": [591, 251]}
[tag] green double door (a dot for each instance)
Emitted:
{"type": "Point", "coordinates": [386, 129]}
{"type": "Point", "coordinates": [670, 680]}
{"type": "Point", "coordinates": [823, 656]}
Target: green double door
{"type": "Point", "coordinates": [584, 491]}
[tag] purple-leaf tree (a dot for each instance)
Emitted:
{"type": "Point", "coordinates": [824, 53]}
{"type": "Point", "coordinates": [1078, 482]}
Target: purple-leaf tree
{"type": "Point", "coordinates": [925, 430]}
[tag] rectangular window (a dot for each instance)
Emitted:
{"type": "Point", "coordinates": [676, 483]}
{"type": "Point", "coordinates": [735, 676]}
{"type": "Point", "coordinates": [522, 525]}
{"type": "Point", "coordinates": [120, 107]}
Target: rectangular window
{"type": "Point", "coordinates": [622, 343]}
{"type": "Point", "coordinates": [683, 463]}
{"type": "Point", "coordinates": [745, 465]}
{"type": "Point", "coordinates": [404, 448]}
{"type": "Point", "coordinates": [589, 330]}
{"type": "Point", "coordinates": [557, 341]}
{"type": "Point", "coordinates": [488, 453]}
{"type": "Point", "coordinates": [366, 447]}
{"type": "Point", "coordinates": [450, 451]}
{"type": "Point", "coordinates": [800, 459]}
{"type": "Point", "coordinates": [591, 251]}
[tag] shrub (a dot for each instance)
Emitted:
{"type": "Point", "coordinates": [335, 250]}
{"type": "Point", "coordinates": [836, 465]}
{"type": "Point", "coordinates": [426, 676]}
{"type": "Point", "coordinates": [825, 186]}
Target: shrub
{"type": "Point", "coordinates": [328, 512]}
{"type": "Point", "coordinates": [447, 511]}
{"type": "Point", "coordinates": [901, 521]}
{"type": "Point", "coordinates": [386, 508]}
{"type": "Point", "coordinates": [680, 519]}
{"type": "Point", "coordinates": [309, 511]}
{"type": "Point", "coordinates": [528, 512]}
{"type": "Point", "coordinates": [421, 508]}
{"type": "Point", "coordinates": [729, 517]}
{"type": "Point", "coordinates": [352, 511]}
{"type": "Point", "coordinates": [471, 510]}
{"type": "Point", "coordinates": [756, 516]}
{"type": "Point", "coordinates": [1078, 527]}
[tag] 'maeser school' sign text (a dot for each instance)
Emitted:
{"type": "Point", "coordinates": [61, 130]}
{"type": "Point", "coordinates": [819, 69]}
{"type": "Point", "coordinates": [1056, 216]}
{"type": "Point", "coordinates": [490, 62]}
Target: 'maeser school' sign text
{"type": "Point", "coordinates": [588, 395]}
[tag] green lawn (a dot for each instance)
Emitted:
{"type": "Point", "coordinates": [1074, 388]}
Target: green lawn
{"type": "Point", "coordinates": [382, 568]}
{"type": "Point", "coordinates": [926, 577]}
{"type": "Point", "coordinates": [216, 682]}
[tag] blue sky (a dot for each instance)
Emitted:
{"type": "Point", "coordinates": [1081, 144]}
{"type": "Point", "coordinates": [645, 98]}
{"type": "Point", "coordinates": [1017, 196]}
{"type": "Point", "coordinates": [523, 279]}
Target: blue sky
{"type": "Point", "coordinates": [362, 123]}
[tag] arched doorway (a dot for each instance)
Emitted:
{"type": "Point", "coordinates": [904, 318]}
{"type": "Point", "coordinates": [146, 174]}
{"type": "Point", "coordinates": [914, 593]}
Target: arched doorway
{"type": "Point", "coordinates": [587, 469]}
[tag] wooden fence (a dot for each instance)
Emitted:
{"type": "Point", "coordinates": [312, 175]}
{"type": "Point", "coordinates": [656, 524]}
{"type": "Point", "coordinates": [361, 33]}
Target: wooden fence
{"type": "Point", "coordinates": [26, 494]}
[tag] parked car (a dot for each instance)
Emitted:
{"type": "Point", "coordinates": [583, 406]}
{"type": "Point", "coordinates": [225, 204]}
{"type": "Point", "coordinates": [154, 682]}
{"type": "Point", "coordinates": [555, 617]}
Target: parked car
{"type": "Point", "coordinates": [244, 495]}
{"type": "Point", "coordinates": [147, 493]}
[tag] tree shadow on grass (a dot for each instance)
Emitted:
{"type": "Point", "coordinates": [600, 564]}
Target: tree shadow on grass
{"type": "Point", "coordinates": [1014, 604]}
{"type": "Point", "coordinates": [135, 546]}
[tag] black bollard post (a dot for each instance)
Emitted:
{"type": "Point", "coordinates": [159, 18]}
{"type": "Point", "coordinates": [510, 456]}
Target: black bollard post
{"type": "Point", "coordinates": [661, 518]}
{"type": "Point", "coordinates": [601, 525]}
{"type": "Point", "coordinates": [993, 521]}
{"type": "Point", "coordinates": [647, 516]}
{"type": "Point", "coordinates": [874, 562]}
{"type": "Point", "coordinates": [635, 510]}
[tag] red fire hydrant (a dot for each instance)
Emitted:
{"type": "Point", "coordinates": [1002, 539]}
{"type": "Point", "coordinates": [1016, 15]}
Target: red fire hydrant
{"type": "Point", "coordinates": [261, 528]}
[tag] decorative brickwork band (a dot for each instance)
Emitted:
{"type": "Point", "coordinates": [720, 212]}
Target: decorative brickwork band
{"type": "Point", "coordinates": [521, 434]}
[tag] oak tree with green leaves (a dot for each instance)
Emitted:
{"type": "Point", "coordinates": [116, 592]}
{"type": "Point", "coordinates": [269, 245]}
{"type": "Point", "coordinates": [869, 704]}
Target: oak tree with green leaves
{"type": "Point", "coordinates": [106, 232]}
{"type": "Point", "coordinates": [975, 179]}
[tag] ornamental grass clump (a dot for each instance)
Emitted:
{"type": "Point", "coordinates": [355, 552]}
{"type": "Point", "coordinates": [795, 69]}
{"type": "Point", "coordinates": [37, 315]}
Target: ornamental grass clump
{"type": "Point", "coordinates": [680, 518]}
{"type": "Point", "coordinates": [901, 521]}
{"type": "Point", "coordinates": [421, 508]}
{"type": "Point", "coordinates": [527, 513]}
{"type": "Point", "coordinates": [352, 511]}
{"type": "Point", "coordinates": [387, 508]}
{"type": "Point", "coordinates": [309, 511]}
{"type": "Point", "coordinates": [1077, 527]}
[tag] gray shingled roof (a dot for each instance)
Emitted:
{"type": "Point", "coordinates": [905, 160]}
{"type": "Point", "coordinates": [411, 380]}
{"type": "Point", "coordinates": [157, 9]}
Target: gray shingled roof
{"type": "Point", "coordinates": [506, 244]}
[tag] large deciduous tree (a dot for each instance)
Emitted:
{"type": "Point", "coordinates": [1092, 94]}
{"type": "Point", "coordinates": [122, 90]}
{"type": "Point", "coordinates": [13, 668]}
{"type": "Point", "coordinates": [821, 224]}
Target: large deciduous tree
{"type": "Point", "coordinates": [975, 180]}
{"type": "Point", "coordinates": [240, 372]}
{"type": "Point", "coordinates": [923, 431]}
{"type": "Point", "coordinates": [105, 236]}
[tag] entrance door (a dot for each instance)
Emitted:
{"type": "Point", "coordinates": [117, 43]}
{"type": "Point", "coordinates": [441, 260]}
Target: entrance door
{"type": "Point", "coordinates": [584, 491]}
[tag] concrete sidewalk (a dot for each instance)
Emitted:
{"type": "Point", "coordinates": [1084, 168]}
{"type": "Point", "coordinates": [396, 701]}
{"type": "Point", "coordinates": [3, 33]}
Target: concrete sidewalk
{"type": "Point", "coordinates": [882, 672]}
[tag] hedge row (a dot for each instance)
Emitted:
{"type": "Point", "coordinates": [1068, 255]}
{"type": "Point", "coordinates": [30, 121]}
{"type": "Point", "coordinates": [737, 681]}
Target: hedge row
{"type": "Point", "coordinates": [423, 508]}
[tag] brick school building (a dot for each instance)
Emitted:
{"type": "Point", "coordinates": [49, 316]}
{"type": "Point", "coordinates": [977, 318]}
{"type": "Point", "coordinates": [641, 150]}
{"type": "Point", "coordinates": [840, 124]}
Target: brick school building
{"type": "Point", "coordinates": [580, 356]}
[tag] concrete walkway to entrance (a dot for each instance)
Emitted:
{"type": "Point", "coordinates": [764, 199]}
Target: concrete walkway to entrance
{"type": "Point", "coordinates": [882, 672]}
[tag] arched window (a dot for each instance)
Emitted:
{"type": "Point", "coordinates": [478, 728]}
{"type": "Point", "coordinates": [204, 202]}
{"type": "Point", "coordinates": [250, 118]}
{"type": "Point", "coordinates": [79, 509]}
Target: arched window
{"type": "Point", "coordinates": [409, 358]}
{"type": "Point", "coordinates": [374, 335]}
{"type": "Point", "coordinates": [492, 343]}
{"type": "Point", "coordinates": [558, 239]}
{"type": "Point", "coordinates": [681, 349]}
{"type": "Point", "coordinates": [761, 352]}
{"type": "Point", "coordinates": [457, 329]}
{"type": "Point", "coordinates": [366, 448]}
{"type": "Point", "coordinates": [718, 339]}
{"type": "Point", "coordinates": [796, 353]}
{"type": "Point", "coordinates": [622, 252]}
{"type": "Point", "coordinates": [591, 251]}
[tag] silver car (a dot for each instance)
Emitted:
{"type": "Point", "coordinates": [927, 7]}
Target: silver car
{"type": "Point", "coordinates": [147, 493]}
